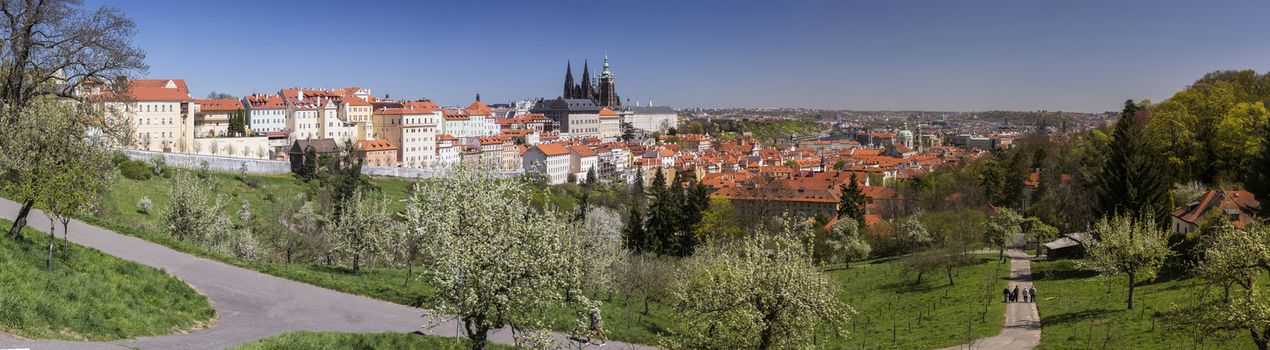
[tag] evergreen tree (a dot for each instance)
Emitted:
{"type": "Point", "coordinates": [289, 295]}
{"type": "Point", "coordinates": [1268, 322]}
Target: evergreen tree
{"type": "Point", "coordinates": [1131, 182]}
{"type": "Point", "coordinates": [590, 176]}
{"type": "Point", "coordinates": [663, 217]}
{"type": "Point", "coordinates": [1258, 178]}
{"type": "Point", "coordinates": [851, 200]}
{"type": "Point", "coordinates": [637, 190]}
{"type": "Point", "coordinates": [693, 203]}
{"type": "Point", "coordinates": [633, 235]}
{"type": "Point", "coordinates": [308, 170]}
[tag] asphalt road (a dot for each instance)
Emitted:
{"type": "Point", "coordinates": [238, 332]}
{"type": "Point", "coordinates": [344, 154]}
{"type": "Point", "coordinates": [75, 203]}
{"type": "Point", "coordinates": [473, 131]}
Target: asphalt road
{"type": "Point", "coordinates": [250, 305]}
{"type": "Point", "coordinates": [1022, 328]}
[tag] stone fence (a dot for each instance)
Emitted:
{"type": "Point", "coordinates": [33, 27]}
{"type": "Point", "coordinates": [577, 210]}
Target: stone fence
{"type": "Point", "coordinates": [273, 167]}
{"type": "Point", "coordinates": [215, 163]}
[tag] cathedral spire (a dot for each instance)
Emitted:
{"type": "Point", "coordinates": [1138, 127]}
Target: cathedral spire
{"type": "Point", "coordinates": [586, 82]}
{"type": "Point", "coordinates": [568, 80]}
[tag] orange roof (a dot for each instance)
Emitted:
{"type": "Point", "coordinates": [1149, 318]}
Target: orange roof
{"type": "Point", "coordinates": [606, 112]}
{"type": "Point", "coordinates": [1237, 203]}
{"type": "Point", "coordinates": [446, 137]}
{"type": "Point", "coordinates": [583, 151]}
{"type": "Point", "coordinates": [265, 102]}
{"type": "Point", "coordinates": [219, 105]}
{"type": "Point", "coordinates": [552, 149]}
{"type": "Point", "coordinates": [375, 145]}
{"type": "Point", "coordinates": [777, 194]}
{"type": "Point", "coordinates": [478, 108]}
{"type": "Point", "coordinates": [154, 90]}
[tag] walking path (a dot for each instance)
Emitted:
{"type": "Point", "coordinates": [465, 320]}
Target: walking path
{"type": "Point", "coordinates": [249, 305]}
{"type": "Point", "coordinates": [1022, 329]}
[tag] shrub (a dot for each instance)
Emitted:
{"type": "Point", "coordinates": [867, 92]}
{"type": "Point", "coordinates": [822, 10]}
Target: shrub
{"type": "Point", "coordinates": [204, 170]}
{"type": "Point", "coordinates": [144, 205]}
{"type": "Point", "coordinates": [135, 170]}
{"type": "Point", "coordinates": [158, 164]}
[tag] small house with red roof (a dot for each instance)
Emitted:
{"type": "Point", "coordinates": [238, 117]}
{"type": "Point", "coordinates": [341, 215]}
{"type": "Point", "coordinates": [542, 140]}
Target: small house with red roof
{"type": "Point", "coordinates": [1238, 206]}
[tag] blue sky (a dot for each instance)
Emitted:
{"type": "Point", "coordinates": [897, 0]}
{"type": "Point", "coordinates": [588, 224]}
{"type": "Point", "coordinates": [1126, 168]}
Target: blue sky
{"type": "Point", "coordinates": [864, 55]}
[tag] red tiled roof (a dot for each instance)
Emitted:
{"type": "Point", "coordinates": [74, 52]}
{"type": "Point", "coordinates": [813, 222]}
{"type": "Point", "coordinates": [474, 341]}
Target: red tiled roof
{"type": "Point", "coordinates": [552, 149]}
{"type": "Point", "coordinates": [375, 145]}
{"type": "Point", "coordinates": [219, 105]}
{"type": "Point", "coordinates": [583, 151]}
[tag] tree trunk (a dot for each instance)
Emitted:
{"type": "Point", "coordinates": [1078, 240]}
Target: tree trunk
{"type": "Point", "coordinates": [409, 267]}
{"type": "Point", "coordinates": [1131, 275]}
{"type": "Point", "coordinates": [20, 221]}
{"type": "Point", "coordinates": [479, 336]}
{"type": "Point", "coordinates": [948, 269]}
{"type": "Point", "coordinates": [289, 251]}
{"type": "Point", "coordinates": [357, 267]}
{"type": "Point", "coordinates": [52, 241]}
{"type": "Point", "coordinates": [1260, 339]}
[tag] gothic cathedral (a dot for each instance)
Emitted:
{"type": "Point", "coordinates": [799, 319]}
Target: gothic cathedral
{"type": "Point", "coordinates": [604, 94]}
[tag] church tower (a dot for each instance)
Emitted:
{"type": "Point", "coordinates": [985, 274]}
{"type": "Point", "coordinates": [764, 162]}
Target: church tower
{"type": "Point", "coordinates": [568, 80]}
{"type": "Point", "coordinates": [586, 91]}
{"type": "Point", "coordinates": [607, 96]}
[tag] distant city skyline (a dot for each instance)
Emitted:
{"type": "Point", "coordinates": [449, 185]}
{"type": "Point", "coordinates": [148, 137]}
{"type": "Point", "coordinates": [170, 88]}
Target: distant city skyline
{"type": "Point", "coordinates": [1082, 56]}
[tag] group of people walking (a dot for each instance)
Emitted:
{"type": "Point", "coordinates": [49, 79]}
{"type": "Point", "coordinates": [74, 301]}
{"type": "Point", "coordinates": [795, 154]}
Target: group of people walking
{"type": "Point", "coordinates": [1012, 296]}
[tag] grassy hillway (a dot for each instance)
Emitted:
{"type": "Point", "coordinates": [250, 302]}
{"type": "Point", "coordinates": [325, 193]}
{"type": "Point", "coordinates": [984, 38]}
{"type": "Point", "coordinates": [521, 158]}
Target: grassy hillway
{"type": "Point", "coordinates": [89, 295]}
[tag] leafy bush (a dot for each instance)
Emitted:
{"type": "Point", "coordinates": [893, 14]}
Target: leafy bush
{"type": "Point", "coordinates": [144, 205]}
{"type": "Point", "coordinates": [135, 170]}
{"type": "Point", "coordinates": [158, 165]}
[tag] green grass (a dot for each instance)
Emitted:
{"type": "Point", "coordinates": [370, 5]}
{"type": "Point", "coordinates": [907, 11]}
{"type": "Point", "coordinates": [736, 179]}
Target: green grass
{"type": "Point", "coordinates": [925, 315]}
{"type": "Point", "coordinates": [1080, 309]}
{"type": "Point", "coordinates": [89, 295]}
{"type": "Point", "coordinates": [367, 341]}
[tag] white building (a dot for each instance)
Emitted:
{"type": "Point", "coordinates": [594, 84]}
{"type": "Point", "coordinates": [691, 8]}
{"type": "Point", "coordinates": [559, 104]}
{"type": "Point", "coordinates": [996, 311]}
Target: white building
{"type": "Point", "coordinates": [413, 127]}
{"type": "Point", "coordinates": [650, 119]}
{"type": "Point", "coordinates": [161, 111]}
{"type": "Point", "coordinates": [549, 159]}
{"type": "Point", "coordinates": [582, 160]}
{"type": "Point", "coordinates": [265, 113]}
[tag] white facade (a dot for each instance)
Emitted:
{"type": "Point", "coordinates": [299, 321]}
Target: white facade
{"type": "Point", "coordinates": [303, 124]}
{"type": "Point", "coordinates": [262, 120]}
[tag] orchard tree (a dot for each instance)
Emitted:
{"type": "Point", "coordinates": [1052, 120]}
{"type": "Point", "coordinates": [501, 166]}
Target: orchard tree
{"type": "Point", "coordinates": [191, 215]}
{"type": "Point", "coordinates": [1237, 259]}
{"type": "Point", "coordinates": [492, 261]}
{"type": "Point", "coordinates": [759, 293]}
{"type": "Point", "coordinates": [1135, 248]}
{"type": "Point", "coordinates": [603, 244]}
{"type": "Point", "coordinates": [361, 232]}
{"type": "Point", "coordinates": [845, 243]}
{"type": "Point", "coordinates": [912, 235]}
{"type": "Point", "coordinates": [50, 49]}
{"type": "Point", "coordinates": [1000, 229]}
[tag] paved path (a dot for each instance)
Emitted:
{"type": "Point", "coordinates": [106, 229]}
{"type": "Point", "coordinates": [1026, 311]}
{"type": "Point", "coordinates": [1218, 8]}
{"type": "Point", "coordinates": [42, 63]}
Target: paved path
{"type": "Point", "coordinates": [1022, 329]}
{"type": "Point", "coordinates": [250, 305]}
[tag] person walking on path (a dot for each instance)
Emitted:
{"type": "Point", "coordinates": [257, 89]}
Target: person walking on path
{"type": "Point", "coordinates": [1032, 290]}
{"type": "Point", "coordinates": [1005, 295]}
{"type": "Point", "coordinates": [1025, 299]}
{"type": "Point", "coordinates": [1014, 296]}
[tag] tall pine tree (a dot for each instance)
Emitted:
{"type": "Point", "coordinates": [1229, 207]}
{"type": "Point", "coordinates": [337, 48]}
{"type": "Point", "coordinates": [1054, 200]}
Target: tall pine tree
{"type": "Point", "coordinates": [634, 235]}
{"type": "Point", "coordinates": [851, 200]}
{"type": "Point", "coordinates": [1258, 178]}
{"type": "Point", "coordinates": [663, 217]}
{"type": "Point", "coordinates": [1131, 182]}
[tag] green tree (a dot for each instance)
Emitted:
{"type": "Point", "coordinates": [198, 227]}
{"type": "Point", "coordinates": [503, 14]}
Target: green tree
{"type": "Point", "coordinates": [1135, 248]}
{"type": "Point", "coordinates": [1001, 228]}
{"type": "Point", "coordinates": [52, 49]}
{"type": "Point", "coordinates": [1131, 182]}
{"type": "Point", "coordinates": [663, 216]}
{"type": "Point", "coordinates": [1257, 179]}
{"type": "Point", "coordinates": [851, 200]}
{"type": "Point", "coordinates": [719, 222]}
{"type": "Point", "coordinates": [363, 230]}
{"type": "Point", "coordinates": [633, 234]}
